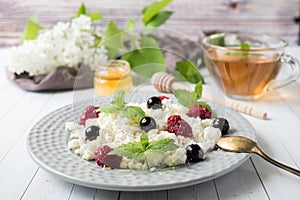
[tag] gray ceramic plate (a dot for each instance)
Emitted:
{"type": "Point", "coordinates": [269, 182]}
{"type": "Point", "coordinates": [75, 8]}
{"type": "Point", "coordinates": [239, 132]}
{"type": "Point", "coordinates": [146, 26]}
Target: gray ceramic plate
{"type": "Point", "coordinates": [47, 145]}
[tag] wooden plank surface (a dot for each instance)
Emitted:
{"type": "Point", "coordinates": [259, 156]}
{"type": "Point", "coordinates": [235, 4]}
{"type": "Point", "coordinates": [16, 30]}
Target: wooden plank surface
{"type": "Point", "coordinates": [190, 17]}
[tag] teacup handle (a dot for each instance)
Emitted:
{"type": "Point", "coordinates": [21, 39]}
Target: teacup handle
{"type": "Point", "coordinates": [295, 72]}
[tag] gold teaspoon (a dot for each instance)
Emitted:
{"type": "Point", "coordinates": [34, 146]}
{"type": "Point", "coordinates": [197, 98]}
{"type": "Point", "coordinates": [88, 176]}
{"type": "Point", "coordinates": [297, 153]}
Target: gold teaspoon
{"type": "Point", "coordinates": [240, 144]}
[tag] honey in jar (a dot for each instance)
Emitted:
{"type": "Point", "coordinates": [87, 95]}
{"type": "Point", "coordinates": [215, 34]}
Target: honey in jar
{"type": "Point", "coordinates": [112, 77]}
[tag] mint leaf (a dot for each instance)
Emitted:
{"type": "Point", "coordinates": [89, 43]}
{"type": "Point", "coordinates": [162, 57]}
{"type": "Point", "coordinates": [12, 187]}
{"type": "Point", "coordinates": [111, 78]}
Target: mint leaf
{"type": "Point", "coordinates": [156, 21]}
{"type": "Point", "coordinates": [219, 41]}
{"type": "Point", "coordinates": [151, 10]}
{"type": "Point", "coordinates": [139, 150]}
{"type": "Point", "coordinates": [244, 46]}
{"type": "Point", "coordinates": [112, 39]}
{"type": "Point", "coordinates": [146, 60]}
{"type": "Point", "coordinates": [130, 25]}
{"type": "Point", "coordinates": [185, 98]}
{"type": "Point", "coordinates": [131, 150]}
{"type": "Point", "coordinates": [133, 112]}
{"type": "Point", "coordinates": [109, 108]}
{"type": "Point", "coordinates": [187, 71]}
{"type": "Point", "coordinates": [198, 90]}
{"type": "Point", "coordinates": [95, 16]}
{"type": "Point", "coordinates": [119, 99]}
{"type": "Point", "coordinates": [31, 29]}
{"type": "Point", "coordinates": [81, 10]}
{"type": "Point", "coordinates": [203, 103]}
{"type": "Point", "coordinates": [144, 139]}
{"type": "Point", "coordinates": [160, 146]}
{"type": "Point", "coordinates": [116, 105]}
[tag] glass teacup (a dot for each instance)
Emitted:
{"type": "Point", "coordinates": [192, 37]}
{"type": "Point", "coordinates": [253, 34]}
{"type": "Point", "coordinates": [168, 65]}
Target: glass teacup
{"type": "Point", "coordinates": [247, 65]}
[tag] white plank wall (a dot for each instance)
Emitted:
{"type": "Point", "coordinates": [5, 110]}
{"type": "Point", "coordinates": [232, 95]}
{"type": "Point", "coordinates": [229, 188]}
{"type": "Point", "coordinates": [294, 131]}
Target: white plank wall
{"type": "Point", "coordinates": [191, 16]}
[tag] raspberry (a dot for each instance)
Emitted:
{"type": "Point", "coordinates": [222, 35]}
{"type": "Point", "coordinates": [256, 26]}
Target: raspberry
{"type": "Point", "coordinates": [89, 112]}
{"type": "Point", "coordinates": [199, 111]}
{"type": "Point", "coordinates": [179, 126]}
{"type": "Point", "coordinates": [162, 97]}
{"type": "Point", "coordinates": [102, 159]}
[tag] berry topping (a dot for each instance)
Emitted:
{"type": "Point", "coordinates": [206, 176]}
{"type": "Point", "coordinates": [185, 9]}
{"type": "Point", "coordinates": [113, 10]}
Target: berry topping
{"type": "Point", "coordinates": [194, 153]}
{"type": "Point", "coordinates": [179, 126]}
{"type": "Point", "coordinates": [92, 132]}
{"type": "Point", "coordinates": [154, 103]}
{"type": "Point", "coordinates": [147, 123]}
{"type": "Point", "coordinates": [199, 111]}
{"type": "Point", "coordinates": [89, 112]}
{"type": "Point", "coordinates": [221, 124]}
{"type": "Point", "coordinates": [102, 159]}
{"type": "Point", "coordinates": [162, 97]}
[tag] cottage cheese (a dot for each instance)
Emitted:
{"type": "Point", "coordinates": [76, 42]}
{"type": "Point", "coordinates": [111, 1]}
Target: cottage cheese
{"type": "Point", "coordinates": [116, 130]}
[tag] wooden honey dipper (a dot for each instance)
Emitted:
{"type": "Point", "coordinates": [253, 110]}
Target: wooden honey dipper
{"type": "Point", "coordinates": [165, 82]}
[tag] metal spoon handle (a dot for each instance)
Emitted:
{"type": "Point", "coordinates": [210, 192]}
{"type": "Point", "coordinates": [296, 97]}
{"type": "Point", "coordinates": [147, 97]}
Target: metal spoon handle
{"type": "Point", "coordinates": [259, 152]}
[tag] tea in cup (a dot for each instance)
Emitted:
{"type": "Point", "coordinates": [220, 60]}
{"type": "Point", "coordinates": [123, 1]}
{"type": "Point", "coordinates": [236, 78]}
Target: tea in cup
{"type": "Point", "coordinates": [247, 65]}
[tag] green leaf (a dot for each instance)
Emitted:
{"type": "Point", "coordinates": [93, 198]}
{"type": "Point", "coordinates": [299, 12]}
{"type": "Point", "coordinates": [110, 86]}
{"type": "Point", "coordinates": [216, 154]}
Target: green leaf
{"type": "Point", "coordinates": [244, 46]}
{"type": "Point", "coordinates": [189, 71]}
{"type": "Point", "coordinates": [198, 90]}
{"type": "Point", "coordinates": [131, 150]}
{"type": "Point", "coordinates": [160, 146]}
{"type": "Point", "coordinates": [185, 98]}
{"type": "Point", "coordinates": [134, 113]}
{"type": "Point", "coordinates": [203, 103]}
{"type": "Point", "coordinates": [144, 139]}
{"type": "Point", "coordinates": [151, 10]}
{"type": "Point", "coordinates": [31, 29]}
{"type": "Point", "coordinates": [130, 25]}
{"type": "Point", "coordinates": [139, 150]}
{"type": "Point", "coordinates": [156, 21]}
{"type": "Point", "coordinates": [219, 41]}
{"type": "Point", "coordinates": [113, 39]}
{"type": "Point", "coordinates": [109, 108]}
{"type": "Point", "coordinates": [147, 60]}
{"type": "Point", "coordinates": [81, 10]}
{"type": "Point", "coordinates": [95, 16]}
{"type": "Point", "coordinates": [119, 99]}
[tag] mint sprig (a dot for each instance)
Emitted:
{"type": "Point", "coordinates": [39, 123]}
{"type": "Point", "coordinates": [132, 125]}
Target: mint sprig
{"type": "Point", "coordinates": [187, 71]}
{"type": "Point", "coordinates": [188, 99]}
{"type": "Point", "coordinates": [142, 149]}
{"type": "Point", "coordinates": [117, 105]}
{"type": "Point", "coordinates": [134, 113]}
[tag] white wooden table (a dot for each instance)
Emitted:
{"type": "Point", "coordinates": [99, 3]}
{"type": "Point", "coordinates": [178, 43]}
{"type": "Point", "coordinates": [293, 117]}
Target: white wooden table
{"type": "Point", "coordinates": [21, 178]}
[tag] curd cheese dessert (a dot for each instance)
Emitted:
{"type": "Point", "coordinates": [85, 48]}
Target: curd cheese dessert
{"type": "Point", "coordinates": [145, 136]}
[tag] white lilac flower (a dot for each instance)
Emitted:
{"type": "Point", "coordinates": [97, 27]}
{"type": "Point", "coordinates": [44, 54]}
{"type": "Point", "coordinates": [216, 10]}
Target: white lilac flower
{"type": "Point", "coordinates": [66, 44]}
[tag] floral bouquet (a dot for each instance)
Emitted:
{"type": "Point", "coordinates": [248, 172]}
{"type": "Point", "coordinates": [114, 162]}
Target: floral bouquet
{"type": "Point", "coordinates": [50, 58]}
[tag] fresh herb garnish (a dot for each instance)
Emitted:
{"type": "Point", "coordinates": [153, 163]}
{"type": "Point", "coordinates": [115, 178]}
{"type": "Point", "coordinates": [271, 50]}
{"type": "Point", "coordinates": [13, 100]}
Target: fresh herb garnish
{"type": "Point", "coordinates": [142, 149]}
{"type": "Point", "coordinates": [134, 113]}
{"type": "Point", "coordinates": [245, 46]}
{"type": "Point", "coordinates": [188, 99]}
{"type": "Point", "coordinates": [218, 41]}
{"type": "Point", "coordinates": [187, 71]}
{"type": "Point", "coordinates": [117, 105]}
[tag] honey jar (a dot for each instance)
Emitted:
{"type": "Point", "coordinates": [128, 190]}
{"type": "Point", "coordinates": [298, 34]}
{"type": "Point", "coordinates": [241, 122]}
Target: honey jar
{"type": "Point", "coordinates": [111, 77]}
